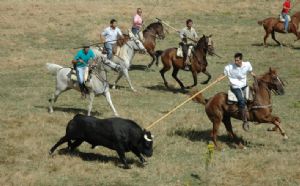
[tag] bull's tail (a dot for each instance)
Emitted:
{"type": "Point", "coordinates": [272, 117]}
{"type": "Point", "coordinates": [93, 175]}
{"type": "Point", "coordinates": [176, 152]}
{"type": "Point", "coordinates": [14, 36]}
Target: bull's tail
{"type": "Point", "coordinates": [53, 68]}
{"type": "Point", "coordinates": [199, 98]}
{"type": "Point", "coordinates": [158, 53]}
{"type": "Point", "coordinates": [260, 22]}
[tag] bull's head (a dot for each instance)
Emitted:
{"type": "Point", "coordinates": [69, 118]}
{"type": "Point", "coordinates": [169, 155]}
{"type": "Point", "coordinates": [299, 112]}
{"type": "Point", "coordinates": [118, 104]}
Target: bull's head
{"type": "Point", "coordinates": [147, 144]}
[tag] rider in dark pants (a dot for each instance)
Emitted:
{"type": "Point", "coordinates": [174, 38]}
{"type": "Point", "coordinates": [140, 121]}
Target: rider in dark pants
{"type": "Point", "coordinates": [237, 75]}
{"type": "Point", "coordinates": [186, 34]}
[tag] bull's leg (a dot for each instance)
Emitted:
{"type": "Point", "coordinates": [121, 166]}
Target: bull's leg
{"type": "Point", "coordinates": [91, 99]}
{"type": "Point", "coordinates": [208, 77]}
{"type": "Point", "coordinates": [61, 141]}
{"type": "Point", "coordinates": [122, 157]}
{"type": "Point", "coordinates": [75, 144]}
{"type": "Point", "coordinates": [138, 154]}
{"type": "Point", "coordinates": [174, 75]}
{"type": "Point", "coordinates": [108, 99]}
{"type": "Point", "coordinates": [273, 37]}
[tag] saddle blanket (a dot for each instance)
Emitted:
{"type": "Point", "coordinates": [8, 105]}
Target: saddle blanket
{"type": "Point", "coordinates": [282, 19]}
{"type": "Point", "coordinates": [179, 52]}
{"type": "Point", "coordinates": [246, 93]}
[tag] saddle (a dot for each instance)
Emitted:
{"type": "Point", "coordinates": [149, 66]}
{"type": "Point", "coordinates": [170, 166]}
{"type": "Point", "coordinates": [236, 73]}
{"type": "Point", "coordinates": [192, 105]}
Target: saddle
{"type": "Point", "coordinates": [247, 92]}
{"type": "Point", "coordinates": [281, 19]}
{"type": "Point", "coordinates": [179, 51]}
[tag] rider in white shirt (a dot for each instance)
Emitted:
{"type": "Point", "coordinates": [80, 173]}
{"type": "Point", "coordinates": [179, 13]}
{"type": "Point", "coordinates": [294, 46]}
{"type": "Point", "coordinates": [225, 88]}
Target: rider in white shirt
{"type": "Point", "coordinates": [111, 35]}
{"type": "Point", "coordinates": [237, 75]}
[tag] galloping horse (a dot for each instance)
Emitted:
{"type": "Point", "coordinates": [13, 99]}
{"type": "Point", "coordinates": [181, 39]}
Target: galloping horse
{"type": "Point", "coordinates": [169, 58]}
{"type": "Point", "coordinates": [273, 24]}
{"type": "Point", "coordinates": [98, 83]}
{"type": "Point", "coordinates": [150, 33]}
{"type": "Point", "coordinates": [260, 109]}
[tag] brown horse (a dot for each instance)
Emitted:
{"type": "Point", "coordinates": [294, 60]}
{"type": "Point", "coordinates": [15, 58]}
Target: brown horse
{"type": "Point", "coordinates": [169, 58]}
{"type": "Point", "coordinates": [260, 110]}
{"type": "Point", "coordinates": [273, 24]}
{"type": "Point", "coordinates": [150, 33]}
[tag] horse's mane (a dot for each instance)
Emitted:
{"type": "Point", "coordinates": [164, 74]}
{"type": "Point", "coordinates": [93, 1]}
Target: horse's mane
{"type": "Point", "coordinates": [121, 42]}
{"type": "Point", "coordinates": [151, 25]}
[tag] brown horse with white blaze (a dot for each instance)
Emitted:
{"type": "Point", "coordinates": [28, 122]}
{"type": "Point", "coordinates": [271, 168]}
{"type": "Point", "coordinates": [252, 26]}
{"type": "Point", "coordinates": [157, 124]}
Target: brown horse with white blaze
{"type": "Point", "coordinates": [273, 24]}
{"type": "Point", "coordinates": [260, 109]}
{"type": "Point", "coordinates": [170, 59]}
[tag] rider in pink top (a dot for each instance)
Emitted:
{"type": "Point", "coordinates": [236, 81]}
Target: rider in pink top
{"type": "Point", "coordinates": [137, 22]}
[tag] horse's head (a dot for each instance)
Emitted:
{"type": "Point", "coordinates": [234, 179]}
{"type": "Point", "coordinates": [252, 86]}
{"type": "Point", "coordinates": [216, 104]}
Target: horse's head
{"type": "Point", "coordinates": [207, 44]}
{"type": "Point", "coordinates": [136, 43]}
{"type": "Point", "coordinates": [273, 81]}
{"type": "Point", "coordinates": [157, 29]}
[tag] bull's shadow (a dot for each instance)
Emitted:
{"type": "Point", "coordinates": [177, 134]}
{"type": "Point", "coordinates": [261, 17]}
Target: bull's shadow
{"type": "Point", "coordinates": [163, 88]}
{"type": "Point", "coordinates": [204, 136]}
{"type": "Point", "coordinates": [70, 110]}
{"type": "Point", "coordinates": [89, 156]}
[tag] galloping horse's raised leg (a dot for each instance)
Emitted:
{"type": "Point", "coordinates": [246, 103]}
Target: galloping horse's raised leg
{"type": "Point", "coordinates": [273, 37]}
{"type": "Point", "coordinates": [162, 73]}
{"type": "Point", "coordinates": [276, 122]}
{"type": "Point", "coordinates": [91, 97]}
{"type": "Point", "coordinates": [152, 54]}
{"type": "Point", "coordinates": [208, 77]}
{"type": "Point", "coordinates": [228, 126]}
{"type": "Point", "coordinates": [174, 75]}
{"type": "Point", "coordinates": [108, 99]}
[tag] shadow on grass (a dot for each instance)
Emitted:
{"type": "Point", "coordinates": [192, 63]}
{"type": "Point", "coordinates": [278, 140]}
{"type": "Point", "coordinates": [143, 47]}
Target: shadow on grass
{"type": "Point", "coordinates": [204, 136]}
{"type": "Point", "coordinates": [274, 45]}
{"type": "Point", "coordinates": [163, 88]}
{"type": "Point", "coordinates": [138, 67]}
{"type": "Point", "coordinates": [70, 110]}
{"type": "Point", "coordinates": [88, 156]}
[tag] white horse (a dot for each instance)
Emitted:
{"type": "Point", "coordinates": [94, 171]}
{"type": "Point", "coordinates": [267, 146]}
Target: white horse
{"type": "Point", "coordinates": [97, 85]}
{"type": "Point", "coordinates": [127, 52]}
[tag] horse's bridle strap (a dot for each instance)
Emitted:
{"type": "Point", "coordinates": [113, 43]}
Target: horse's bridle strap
{"type": "Point", "coordinates": [261, 106]}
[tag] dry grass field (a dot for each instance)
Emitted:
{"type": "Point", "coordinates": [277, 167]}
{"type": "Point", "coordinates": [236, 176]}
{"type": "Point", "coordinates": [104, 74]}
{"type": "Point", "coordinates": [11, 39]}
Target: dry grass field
{"type": "Point", "coordinates": [36, 32]}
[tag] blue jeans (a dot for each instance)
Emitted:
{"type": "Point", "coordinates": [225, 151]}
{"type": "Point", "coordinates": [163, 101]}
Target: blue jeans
{"type": "Point", "coordinates": [238, 92]}
{"type": "Point", "coordinates": [80, 74]}
{"type": "Point", "coordinates": [135, 30]}
{"type": "Point", "coordinates": [108, 47]}
{"type": "Point", "coordinates": [286, 21]}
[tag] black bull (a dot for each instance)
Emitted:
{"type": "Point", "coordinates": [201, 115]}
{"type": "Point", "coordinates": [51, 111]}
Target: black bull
{"type": "Point", "coordinates": [118, 134]}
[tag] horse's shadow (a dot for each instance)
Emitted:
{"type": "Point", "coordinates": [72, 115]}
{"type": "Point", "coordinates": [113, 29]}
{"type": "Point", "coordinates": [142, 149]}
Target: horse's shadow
{"type": "Point", "coordinates": [204, 136]}
{"type": "Point", "coordinates": [163, 88]}
{"type": "Point", "coordinates": [138, 67]}
{"type": "Point", "coordinates": [269, 45]}
{"type": "Point", "coordinates": [70, 110]}
{"type": "Point", "coordinates": [88, 156]}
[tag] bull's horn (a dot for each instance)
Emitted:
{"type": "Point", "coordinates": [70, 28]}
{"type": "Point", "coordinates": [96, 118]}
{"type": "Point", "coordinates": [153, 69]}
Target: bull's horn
{"type": "Point", "coordinates": [146, 138]}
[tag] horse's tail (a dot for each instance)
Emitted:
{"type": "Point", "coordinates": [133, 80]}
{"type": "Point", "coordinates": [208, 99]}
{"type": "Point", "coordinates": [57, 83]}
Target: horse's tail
{"type": "Point", "coordinates": [199, 98]}
{"type": "Point", "coordinates": [260, 22]}
{"type": "Point", "coordinates": [53, 68]}
{"type": "Point", "coordinates": [158, 53]}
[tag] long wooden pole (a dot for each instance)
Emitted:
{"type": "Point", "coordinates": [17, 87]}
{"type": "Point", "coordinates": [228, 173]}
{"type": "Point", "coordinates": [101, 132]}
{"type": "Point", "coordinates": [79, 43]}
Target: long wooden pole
{"type": "Point", "coordinates": [181, 104]}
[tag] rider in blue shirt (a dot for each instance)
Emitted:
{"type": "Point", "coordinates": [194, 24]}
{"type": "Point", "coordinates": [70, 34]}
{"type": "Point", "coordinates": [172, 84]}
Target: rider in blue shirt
{"type": "Point", "coordinates": [81, 61]}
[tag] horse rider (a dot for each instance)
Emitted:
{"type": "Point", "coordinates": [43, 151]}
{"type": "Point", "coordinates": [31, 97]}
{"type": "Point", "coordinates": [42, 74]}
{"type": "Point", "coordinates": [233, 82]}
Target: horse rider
{"type": "Point", "coordinates": [285, 12]}
{"type": "Point", "coordinates": [111, 36]}
{"type": "Point", "coordinates": [81, 62]}
{"type": "Point", "coordinates": [187, 35]}
{"type": "Point", "coordinates": [137, 22]}
{"type": "Point", "coordinates": [237, 75]}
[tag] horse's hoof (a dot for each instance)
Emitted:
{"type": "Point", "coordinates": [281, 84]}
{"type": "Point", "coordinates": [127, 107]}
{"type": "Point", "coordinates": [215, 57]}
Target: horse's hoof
{"type": "Point", "coordinates": [272, 129]}
{"type": "Point", "coordinates": [246, 126]}
{"type": "Point", "coordinates": [116, 115]}
{"type": "Point", "coordinates": [50, 111]}
{"type": "Point", "coordinates": [204, 82]}
{"type": "Point", "coordinates": [134, 90]}
{"type": "Point", "coordinates": [285, 137]}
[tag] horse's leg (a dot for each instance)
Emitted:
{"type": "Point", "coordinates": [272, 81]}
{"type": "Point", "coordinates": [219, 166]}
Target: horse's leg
{"type": "Point", "coordinates": [128, 79]}
{"type": "Point", "coordinates": [208, 77]}
{"type": "Point", "coordinates": [273, 37]}
{"type": "Point", "coordinates": [265, 38]}
{"type": "Point", "coordinates": [118, 78]}
{"type": "Point", "coordinates": [162, 73]}
{"type": "Point", "coordinates": [91, 98]}
{"type": "Point", "coordinates": [276, 122]}
{"type": "Point", "coordinates": [152, 54]}
{"type": "Point", "coordinates": [227, 122]}
{"type": "Point", "coordinates": [53, 99]}
{"type": "Point", "coordinates": [214, 132]}
{"type": "Point", "coordinates": [194, 73]}
{"type": "Point", "coordinates": [174, 75]}
{"type": "Point", "coordinates": [108, 99]}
